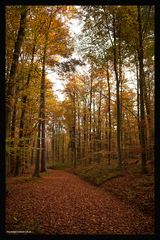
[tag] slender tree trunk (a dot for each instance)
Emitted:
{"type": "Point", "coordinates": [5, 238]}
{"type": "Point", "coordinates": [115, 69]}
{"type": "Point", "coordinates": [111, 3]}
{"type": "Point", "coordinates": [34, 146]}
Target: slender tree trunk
{"type": "Point", "coordinates": [11, 83]}
{"type": "Point", "coordinates": [38, 153]}
{"type": "Point", "coordinates": [43, 90]}
{"type": "Point", "coordinates": [148, 114]}
{"type": "Point", "coordinates": [74, 134]}
{"type": "Point", "coordinates": [118, 99]}
{"type": "Point", "coordinates": [109, 112]}
{"type": "Point", "coordinates": [84, 131]}
{"type": "Point", "coordinates": [22, 117]}
{"type": "Point", "coordinates": [43, 154]}
{"type": "Point", "coordinates": [90, 120]}
{"type": "Point", "coordinates": [138, 99]}
{"type": "Point", "coordinates": [12, 135]}
{"type": "Point", "coordinates": [99, 131]}
{"type": "Point", "coordinates": [79, 133]}
{"type": "Point", "coordinates": [53, 144]}
{"type": "Point", "coordinates": [20, 145]}
{"type": "Point", "coordinates": [142, 83]}
{"type": "Point", "coordinates": [120, 89]}
{"type": "Point", "coordinates": [63, 141]}
{"type": "Point", "coordinates": [57, 143]}
{"type": "Point", "coordinates": [94, 123]}
{"type": "Point", "coordinates": [32, 152]}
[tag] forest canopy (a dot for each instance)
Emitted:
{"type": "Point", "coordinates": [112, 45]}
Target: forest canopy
{"type": "Point", "coordinates": [104, 57]}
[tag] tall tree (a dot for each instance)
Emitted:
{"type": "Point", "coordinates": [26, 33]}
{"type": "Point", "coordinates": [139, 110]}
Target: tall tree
{"type": "Point", "coordinates": [23, 112]}
{"type": "Point", "coordinates": [11, 81]}
{"type": "Point", "coordinates": [52, 30]}
{"type": "Point", "coordinates": [42, 96]}
{"type": "Point", "coordinates": [117, 93]}
{"type": "Point", "coordinates": [109, 112]}
{"type": "Point", "coordinates": [142, 86]}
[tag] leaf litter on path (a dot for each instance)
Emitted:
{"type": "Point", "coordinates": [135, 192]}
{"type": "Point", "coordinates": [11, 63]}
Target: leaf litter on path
{"type": "Point", "coordinates": [62, 203]}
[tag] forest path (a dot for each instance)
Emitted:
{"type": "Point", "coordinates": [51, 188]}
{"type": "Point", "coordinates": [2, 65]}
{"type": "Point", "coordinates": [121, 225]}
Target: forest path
{"type": "Point", "coordinates": [62, 203]}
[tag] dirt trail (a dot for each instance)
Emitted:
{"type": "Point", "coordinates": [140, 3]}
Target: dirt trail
{"type": "Point", "coordinates": [62, 203]}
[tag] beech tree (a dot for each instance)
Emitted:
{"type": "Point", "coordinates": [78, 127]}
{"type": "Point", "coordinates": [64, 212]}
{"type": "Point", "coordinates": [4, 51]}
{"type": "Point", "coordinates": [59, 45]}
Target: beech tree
{"type": "Point", "coordinates": [13, 68]}
{"type": "Point", "coordinates": [49, 33]}
{"type": "Point", "coordinates": [118, 26]}
{"type": "Point", "coordinates": [107, 73]}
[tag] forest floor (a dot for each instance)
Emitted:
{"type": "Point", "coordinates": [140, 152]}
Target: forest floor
{"type": "Point", "coordinates": [129, 184]}
{"type": "Point", "coordinates": [62, 203]}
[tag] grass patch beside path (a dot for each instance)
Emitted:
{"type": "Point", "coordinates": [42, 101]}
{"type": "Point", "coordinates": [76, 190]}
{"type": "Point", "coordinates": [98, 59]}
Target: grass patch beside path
{"type": "Point", "coordinates": [97, 173]}
{"type": "Point", "coordinates": [28, 179]}
{"type": "Point", "coordinates": [59, 166]}
{"type": "Point", "coordinates": [131, 186]}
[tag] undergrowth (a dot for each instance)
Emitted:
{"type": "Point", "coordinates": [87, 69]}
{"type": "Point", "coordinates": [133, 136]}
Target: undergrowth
{"type": "Point", "coordinates": [133, 187]}
{"type": "Point", "coordinates": [97, 173]}
{"type": "Point", "coordinates": [59, 166]}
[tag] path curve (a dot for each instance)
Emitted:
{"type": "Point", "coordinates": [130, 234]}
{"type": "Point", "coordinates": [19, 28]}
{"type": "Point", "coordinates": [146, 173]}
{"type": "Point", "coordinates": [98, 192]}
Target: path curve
{"type": "Point", "coordinates": [62, 203]}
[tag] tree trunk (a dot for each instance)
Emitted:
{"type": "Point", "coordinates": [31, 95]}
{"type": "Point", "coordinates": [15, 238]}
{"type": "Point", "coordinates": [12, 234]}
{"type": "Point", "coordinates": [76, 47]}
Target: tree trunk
{"type": "Point", "coordinates": [120, 87]}
{"type": "Point", "coordinates": [148, 113]}
{"type": "Point", "coordinates": [94, 123]}
{"type": "Point", "coordinates": [53, 144]}
{"type": "Point", "coordinates": [32, 152]}
{"type": "Point", "coordinates": [43, 90]}
{"type": "Point", "coordinates": [43, 154]}
{"type": "Point", "coordinates": [90, 120]}
{"type": "Point", "coordinates": [79, 133]}
{"type": "Point", "coordinates": [22, 117]}
{"type": "Point", "coordinates": [11, 83]}
{"type": "Point", "coordinates": [12, 135]}
{"type": "Point", "coordinates": [109, 112]}
{"type": "Point", "coordinates": [38, 153]}
{"type": "Point", "coordinates": [84, 131]}
{"type": "Point", "coordinates": [142, 83]}
{"type": "Point", "coordinates": [138, 99]}
{"type": "Point", "coordinates": [118, 99]}
{"type": "Point", "coordinates": [63, 142]}
{"type": "Point", "coordinates": [99, 122]}
{"type": "Point", "coordinates": [74, 145]}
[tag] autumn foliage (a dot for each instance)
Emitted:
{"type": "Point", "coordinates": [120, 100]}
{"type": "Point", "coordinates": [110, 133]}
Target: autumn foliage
{"type": "Point", "coordinates": [105, 114]}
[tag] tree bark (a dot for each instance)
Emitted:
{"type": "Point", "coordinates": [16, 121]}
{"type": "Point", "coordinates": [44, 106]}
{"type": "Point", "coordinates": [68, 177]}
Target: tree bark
{"type": "Point", "coordinates": [11, 83]}
{"type": "Point", "coordinates": [12, 135]}
{"type": "Point", "coordinates": [109, 112]}
{"type": "Point", "coordinates": [53, 144]}
{"type": "Point", "coordinates": [138, 98]}
{"type": "Point", "coordinates": [142, 83]}
{"type": "Point", "coordinates": [99, 131]}
{"type": "Point", "coordinates": [32, 152]}
{"type": "Point", "coordinates": [22, 117]}
{"type": "Point", "coordinates": [84, 130]}
{"type": "Point", "coordinates": [120, 87]}
{"type": "Point", "coordinates": [79, 132]}
{"type": "Point", "coordinates": [74, 145]}
{"type": "Point", "coordinates": [118, 98]}
{"type": "Point", "coordinates": [43, 91]}
{"type": "Point", "coordinates": [38, 153]}
{"type": "Point", "coordinates": [90, 119]}
{"type": "Point", "coordinates": [43, 154]}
